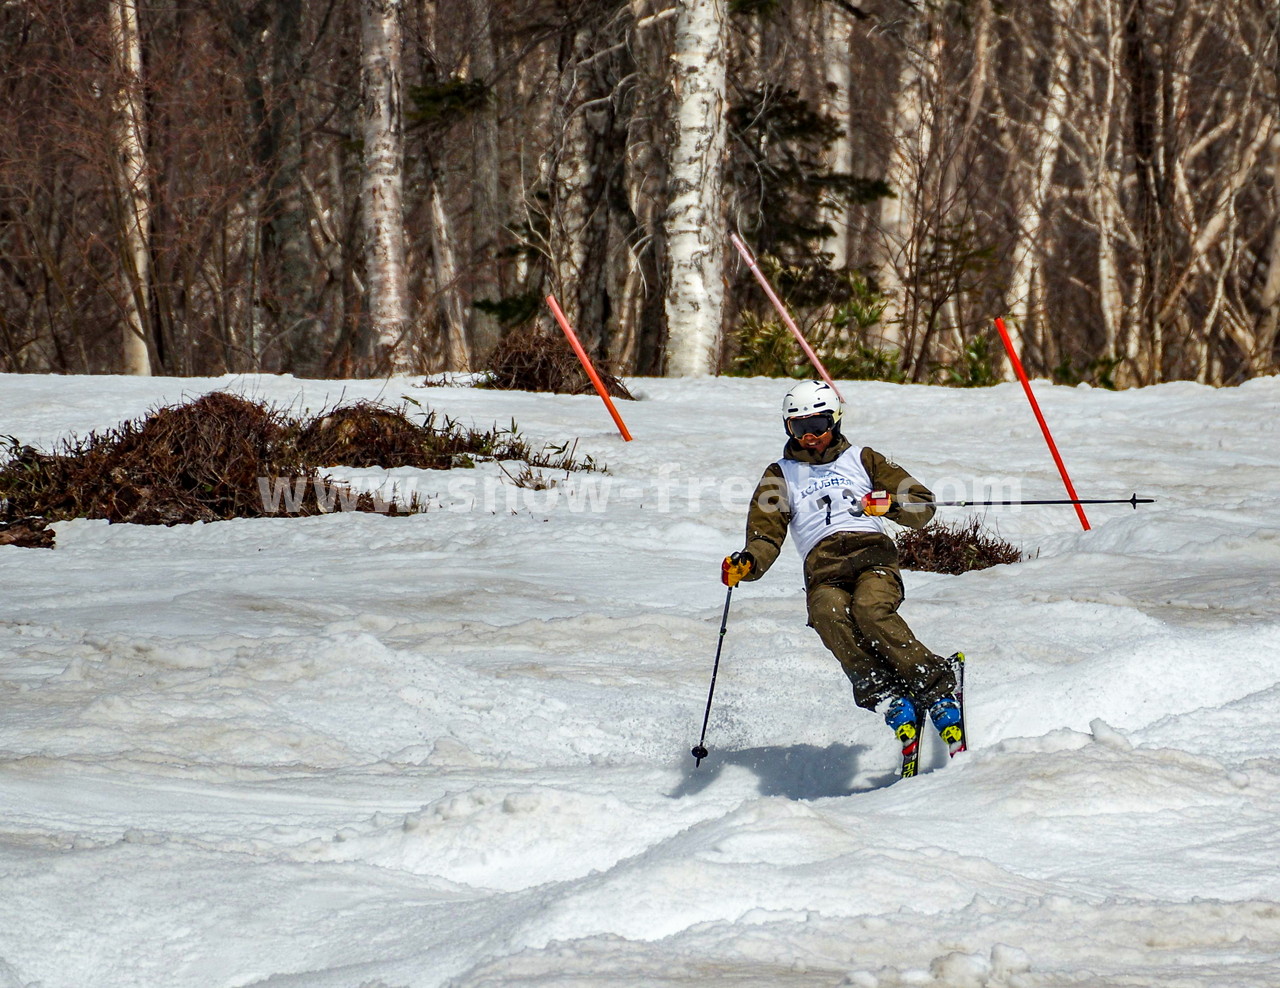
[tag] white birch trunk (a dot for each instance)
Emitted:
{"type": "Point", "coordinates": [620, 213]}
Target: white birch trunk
{"type": "Point", "coordinates": [486, 189]}
{"type": "Point", "coordinates": [1260, 361]}
{"type": "Point", "coordinates": [899, 213]}
{"type": "Point", "coordinates": [695, 217]}
{"type": "Point", "coordinates": [1105, 198]}
{"type": "Point", "coordinates": [131, 182]}
{"type": "Point", "coordinates": [1024, 285]}
{"type": "Point", "coordinates": [957, 161]}
{"type": "Point", "coordinates": [573, 172]}
{"type": "Point", "coordinates": [382, 182]}
{"type": "Point", "coordinates": [452, 314]}
{"type": "Point", "coordinates": [839, 77]}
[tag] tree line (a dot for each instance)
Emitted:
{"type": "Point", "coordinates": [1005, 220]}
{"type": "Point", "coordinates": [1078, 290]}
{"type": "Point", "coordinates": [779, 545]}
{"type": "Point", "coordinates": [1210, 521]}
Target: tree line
{"type": "Point", "coordinates": [359, 187]}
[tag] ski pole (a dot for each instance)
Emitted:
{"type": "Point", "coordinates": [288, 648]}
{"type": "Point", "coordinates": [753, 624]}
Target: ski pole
{"type": "Point", "coordinates": [1134, 501]}
{"type": "Point", "coordinates": [699, 750]}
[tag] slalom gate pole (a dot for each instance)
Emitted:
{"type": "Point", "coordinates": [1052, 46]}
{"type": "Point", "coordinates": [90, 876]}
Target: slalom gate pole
{"type": "Point", "coordinates": [1044, 426]}
{"type": "Point", "coordinates": [587, 366]}
{"type": "Point", "coordinates": [786, 316]}
{"type": "Point", "coordinates": [699, 750]}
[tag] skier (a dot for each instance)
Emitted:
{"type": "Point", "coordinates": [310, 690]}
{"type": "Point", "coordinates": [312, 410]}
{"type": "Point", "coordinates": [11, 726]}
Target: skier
{"type": "Point", "coordinates": [833, 497]}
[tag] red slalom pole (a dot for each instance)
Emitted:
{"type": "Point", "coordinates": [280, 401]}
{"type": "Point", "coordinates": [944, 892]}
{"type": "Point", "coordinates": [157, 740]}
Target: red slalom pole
{"type": "Point", "coordinates": [1044, 426]}
{"type": "Point", "coordinates": [786, 316]}
{"type": "Point", "coordinates": [588, 367]}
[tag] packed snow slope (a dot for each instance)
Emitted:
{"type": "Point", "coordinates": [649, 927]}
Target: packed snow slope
{"type": "Point", "coordinates": [452, 749]}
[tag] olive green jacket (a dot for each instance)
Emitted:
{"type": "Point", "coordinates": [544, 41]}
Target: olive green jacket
{"type": "Point", "coordinates": [839, 557]}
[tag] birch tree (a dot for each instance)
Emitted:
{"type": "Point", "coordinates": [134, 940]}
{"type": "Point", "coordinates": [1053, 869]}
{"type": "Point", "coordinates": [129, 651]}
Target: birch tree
{"type": "Point", "coordinates": [285, 240]}
{"type": "Point", "coordinates": [935, 236]}
{"type": "Point", "coordinates": [451, 99]}
{"type": "Point", "coordinates": [571, 173]}
{"type": "Point", "coordinates": [1105, 172]}
{"type": "Point", "coordinates": [909, 150]}
{"type": "Point", "coordinates": [695, 216]}
{"type": "Point", "coordinates": [457, 351]}
{"type": "Point", "coordinates": [382, 183]}
{"type": "Point", "coordinates": [1263, 357]}
{"type": "Point", "coordinates": [638, 265]}
{"type": "Point", "coordinates": [1223, 132]}
{"type": "Point", "coordinates": [130, 163]}
{"type": "Point", "coordinates": [1034, 151]}
{"type": "Point", "coordinates": [1103, 242]}
{"type": "Point", "coordinates": [1167, 135]}
{"type": "Point", "coordinates": [836, 56]}
{"type": "Point", "coordinates": [266, 35]}
{"type": "Point", "coordinates": [486, 192]}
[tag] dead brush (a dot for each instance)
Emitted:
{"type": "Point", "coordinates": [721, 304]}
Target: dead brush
{"type": "Point", "coordinates": [540, 361]}
{"type": "Point", "coordinates": [367, 434]}
{"type": "Point", "coordinates": [218, 457]}
{"type": "Point", "coordinates": [959, 548]}
{"type": "Point", "coordinates": [27, 533]}
{"type": "Point", "coordinates": [530, 479]}
{"type": "Point", "coordinates": [195, 462]}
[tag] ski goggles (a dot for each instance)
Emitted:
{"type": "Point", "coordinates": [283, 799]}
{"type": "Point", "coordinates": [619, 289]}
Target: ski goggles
{"type": "Point", "coordinates": [811, 425]}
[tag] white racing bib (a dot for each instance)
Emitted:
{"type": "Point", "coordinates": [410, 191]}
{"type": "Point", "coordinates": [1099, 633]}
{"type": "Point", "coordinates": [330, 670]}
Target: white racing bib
{"type": "Point", "coordinates": [826, 498]}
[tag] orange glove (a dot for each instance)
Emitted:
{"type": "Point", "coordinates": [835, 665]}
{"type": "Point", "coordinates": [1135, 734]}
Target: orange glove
{"type": "Point", "coordinates": [877, 503]}
{"type": "Point", "coordinates": [735, 567]}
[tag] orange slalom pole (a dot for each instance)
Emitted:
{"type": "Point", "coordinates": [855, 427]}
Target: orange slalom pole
{"type": "Point", "coordinates": [588, 367]}
{"type": "Point", "coordinates": [1044, 426]}
{"type": "Point", "coordinates": [786, 316]}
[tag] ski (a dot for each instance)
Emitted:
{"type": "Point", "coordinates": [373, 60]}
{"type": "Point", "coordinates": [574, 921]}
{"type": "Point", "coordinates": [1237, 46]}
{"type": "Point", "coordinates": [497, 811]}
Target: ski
{"type": "Point", "coordinates": [910, 735]}
{"type": "Point", "coordinates": [955, 736]}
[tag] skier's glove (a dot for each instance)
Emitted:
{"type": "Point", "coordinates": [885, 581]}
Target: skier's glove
{"type": "Point", "coordinates": [877, 503]}
{"type": "Point", "coordinates": [735, 567]}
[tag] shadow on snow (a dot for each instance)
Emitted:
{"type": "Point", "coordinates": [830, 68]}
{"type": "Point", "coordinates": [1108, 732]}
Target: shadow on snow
{"type": "Point", "coordinates": [800, 771]}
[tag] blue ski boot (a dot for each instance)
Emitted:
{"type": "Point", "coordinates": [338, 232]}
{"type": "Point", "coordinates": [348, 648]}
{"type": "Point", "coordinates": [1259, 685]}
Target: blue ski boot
{"type": "Point", "coordinates": [905, 720]}
{"type": "Point", "coordinates": [948, 718]}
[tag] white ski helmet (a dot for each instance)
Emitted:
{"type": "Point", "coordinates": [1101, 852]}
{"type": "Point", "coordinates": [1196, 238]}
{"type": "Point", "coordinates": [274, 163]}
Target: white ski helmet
{"type": "Point", "coordinates": [810, 398]}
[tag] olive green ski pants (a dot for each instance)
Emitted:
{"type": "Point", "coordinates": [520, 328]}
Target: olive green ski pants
{"type": "Point", "coordinates": [859, 622]}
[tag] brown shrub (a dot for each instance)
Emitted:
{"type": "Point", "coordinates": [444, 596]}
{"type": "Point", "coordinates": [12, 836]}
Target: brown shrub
{"type": "Point", "coordinates": [27, 533]}
{"type": "Point", "coordinates": [218, 457]}
{"type": "Point", "coordinates": [943, 548]}
{"type": "Point", "coordinates": [195, 462]}
{"type": "Point", "coordinates": [366, 435]}
{"type": "Point", "coordinates": [540, 361]}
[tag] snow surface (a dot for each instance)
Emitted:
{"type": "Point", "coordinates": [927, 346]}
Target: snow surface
{"type": "Point", "coordinates": [356, 751]}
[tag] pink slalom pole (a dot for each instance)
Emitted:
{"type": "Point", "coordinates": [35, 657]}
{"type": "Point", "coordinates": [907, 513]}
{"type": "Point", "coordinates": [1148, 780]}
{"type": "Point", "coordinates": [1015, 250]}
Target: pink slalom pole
{"type": "Point", "coordinates": [786, 316]}
{"type": "Point", "coordinates": [587, 366]}
{"type": "Point", "coordinates": [1044, 426]}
